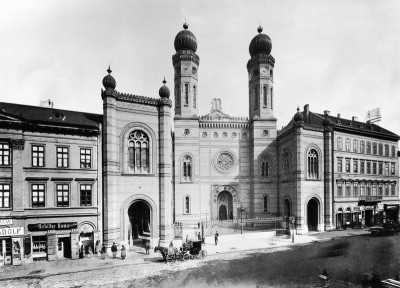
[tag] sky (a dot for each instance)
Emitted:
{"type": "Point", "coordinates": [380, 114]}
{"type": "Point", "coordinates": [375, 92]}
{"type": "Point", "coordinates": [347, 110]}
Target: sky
{"type": "Point", "coordinates": [341, 56]}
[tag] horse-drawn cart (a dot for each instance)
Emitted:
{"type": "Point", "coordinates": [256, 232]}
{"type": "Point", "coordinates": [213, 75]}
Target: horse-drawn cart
{"type": "Point", "coordinates": [191, 250]}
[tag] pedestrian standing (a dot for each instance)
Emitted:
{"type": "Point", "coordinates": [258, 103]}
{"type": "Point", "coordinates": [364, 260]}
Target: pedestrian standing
{"type": "Point", "coordinates": [123, 252]}
{"type": "Point", "coordinates": [103, 252]}
{"type": "Point", "coordinates": [216, 237]}
{"type": "Point", "coordinates": [114, 250]}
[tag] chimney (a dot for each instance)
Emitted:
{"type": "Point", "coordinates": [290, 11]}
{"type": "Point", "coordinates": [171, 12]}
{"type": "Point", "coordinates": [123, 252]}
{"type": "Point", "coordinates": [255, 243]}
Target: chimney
{"type": "Point", "coordinates": [354, 118]}
{"type": "Point", "coordinates": [47, 103]}
{"type": "Point", "coordinates": [307, 112]}
{"type": "Point", "coordinates": [327, 112]}
{"type": "Point", "coordinates": [338, 115]}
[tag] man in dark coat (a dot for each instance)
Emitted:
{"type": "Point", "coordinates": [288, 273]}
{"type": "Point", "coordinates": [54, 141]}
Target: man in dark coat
{"type": "Point", "coordinates": [216, 237]}
{"type": "Point", "coordinates": [114, 250]}
{"type": "Point", "coordinates": [123, 252]}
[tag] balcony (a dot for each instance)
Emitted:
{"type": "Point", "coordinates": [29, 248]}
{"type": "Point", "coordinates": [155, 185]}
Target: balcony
{"type": "Point", "coordinates": [369, 200]}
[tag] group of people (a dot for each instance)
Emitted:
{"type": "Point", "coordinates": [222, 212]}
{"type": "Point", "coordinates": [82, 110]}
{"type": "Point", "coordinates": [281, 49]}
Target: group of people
{"type": "Point", "coordinates": [202, 239]}
{"type": "Point", "coordinates": [102, 252]}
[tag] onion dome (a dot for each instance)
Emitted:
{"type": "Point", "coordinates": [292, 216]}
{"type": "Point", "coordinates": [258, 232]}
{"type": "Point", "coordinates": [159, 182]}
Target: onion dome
{"type": "Point", "coordinates": [185, 40]}
{"type": "Point", "coordinates": [109, 81]}
{"type": "Point", "coordinates": [260, 44]}
{"type": "Point", "coordinates": [164, 90]}
{"type": "Point", "coordinates": [298, 117]}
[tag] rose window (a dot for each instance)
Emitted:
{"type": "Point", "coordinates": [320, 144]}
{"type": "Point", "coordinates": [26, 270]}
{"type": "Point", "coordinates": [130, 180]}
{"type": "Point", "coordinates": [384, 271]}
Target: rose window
{"type": "Point", "coordinates": [225, 161]}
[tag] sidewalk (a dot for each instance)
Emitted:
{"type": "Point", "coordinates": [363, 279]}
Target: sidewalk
{"type": "Point", "coordinates": [227, 243]}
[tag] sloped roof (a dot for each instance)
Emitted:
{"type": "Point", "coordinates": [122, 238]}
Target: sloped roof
{"type": "Point", "coordinates": [48, 116]}
{"type": "Point", "coordinates": [370, 129]}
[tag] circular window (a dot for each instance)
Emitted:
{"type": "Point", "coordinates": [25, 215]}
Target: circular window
{"type": "Point", "coordinates": [215, 135]}
{"type": "Point", "coordinates": [224, 135]}
{"type": "Point", "coordinates": [234, 135]}
{"type": "Point", "coordinates": [244, 135]}
{"type": "Point", "coordinates": [186, 132]}
{"type": "Point", "coordinates": [204, 134]}
{"type": "Point", "coordinates": [265, 133]}
{"type": "Point", "coordinates": [225, 162]}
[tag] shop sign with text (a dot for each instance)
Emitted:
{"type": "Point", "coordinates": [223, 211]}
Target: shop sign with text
{"type": "Point", "coordinates": [52, 226]}
{"type": "Point", "coordinates": [12, 231]}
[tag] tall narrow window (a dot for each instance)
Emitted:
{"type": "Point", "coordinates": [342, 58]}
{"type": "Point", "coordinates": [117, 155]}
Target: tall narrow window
{"type": "Point", "coordinates": [374, 148]}
{"type": "Point", "coordinates": [5, 194]}
{"type": "Point", "coordinates": [37, 156]}
{"type": "Point", "coordinates": [386, 169]}
{"type": "Point", "coordinates": [386, 189]}
{"type": "Point", "coordinates": [187, 168]}
{"type": "Point", "coordinates": [186, 94]}
{"type": "Point", "coordinates": [380, 149]}
{"type": "Point", "coordinates": [362, 189]}
{"type": "Point", "coordinates": [355, 145]}
{"type": "Point", "coordinates": [339, 143]}
{"type": "Point", "coordinates": [286, 164]}
{"type": "Point", "coordinates": [265, 203]}
{"type": "Point", "coordinates": [4, 154]}
{"type": "Point", "coordinates": [393, 189]}
{"type": "Point", "coordinates": [62, 157]}
{"type": "Point", "coordinates": [313, 164]}
{"type": "Point", "coordinates": [348, 189]}
{"type": "Point", "coordinates": [347, 144]}
{"type": "Point", "coordinates": [177, 96]}
{"type": "Point", "coordinates": [355, 189]}
{"type": "Point", "coordinates": [347, 165]}
{"type": "Point", "coordinates": [369, 189]}
{"type": "Point", "coordinates": [86, 158]}
{"type": "Point", "coordinates": [393, 169]}
{"type": "Point", "coordinates": [380, 190]}
{"type": "Point", "coordinates": [339, 165]}
{"type": "Point", "coordinates": [272, 98]}
{"type": "Point", "coordinates": [138, 152]}
{"type": "Point", "coordinates": [38, 193]}
{"type": "Point", "coordinates": [380, 169]}
{"type": "Point", "coordinates": [393, 151]}
{"type": "Point", "coordinates": [362, 167]}
{"type": "Point", "coordinates": [374, 170]}
{"type": "Point", "coordinates": [265, 96]}
{"type": "Point", "coordinates": [362, 146]}
{"type": "Point", "coordinates": [339, 189]}
{"type": "Point", "coordinates": [386, 150]}
{"type": "Point", "coordinates": [86, 195]}
{"type": "Point", "coordinates": [194, 96]}
{"type": "Point", "coordinates": [264, 169]}
{"type": "Point", "coordinates": [374, 190]}
{"type": "Point", "coordinates": [62, 195]}
{"type": "Point", "coordinates": [187, 205]}
{"type": "Point", "coordinates": [355, 165]}
{"type": "Point", "coordinates": [368, 147]}
{"type": "Point", "coordinates": [368, 167]}
{"type": "Point", "coordinates": [256, 96]}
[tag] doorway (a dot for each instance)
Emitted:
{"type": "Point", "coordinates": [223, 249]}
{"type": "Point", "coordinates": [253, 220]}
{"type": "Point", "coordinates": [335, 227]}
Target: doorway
{"type": "Point", "coordinates": [225, 206]}
{"type": "Point", "coordinates": [312, 214]}
{"type": "Point", "coordinates": [139, 222]}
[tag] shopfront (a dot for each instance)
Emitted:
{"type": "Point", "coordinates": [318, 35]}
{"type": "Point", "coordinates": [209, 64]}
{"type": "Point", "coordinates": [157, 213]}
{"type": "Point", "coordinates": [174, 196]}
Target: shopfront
{"type": "Point", "coordinates": [15, 246]}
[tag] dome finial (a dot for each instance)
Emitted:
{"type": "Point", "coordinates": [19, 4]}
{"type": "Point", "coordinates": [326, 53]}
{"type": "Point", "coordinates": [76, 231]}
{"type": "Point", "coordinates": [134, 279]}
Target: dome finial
{"type": "Point", "coordinates": [109, 70]}
{"type": "Point", "coordinates": [185, 25]}
{"type": "Point", "coordinates": [164, 81]}
{"type": "Point", "coordinates": [164, 90]}
{"type": "Point", "coordinates": [260, 28]}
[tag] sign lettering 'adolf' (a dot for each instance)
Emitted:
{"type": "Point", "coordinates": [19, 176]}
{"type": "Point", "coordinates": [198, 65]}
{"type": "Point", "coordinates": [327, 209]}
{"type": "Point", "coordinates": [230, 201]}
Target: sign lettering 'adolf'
{"type": "Point", "coordinates": [12, 231]}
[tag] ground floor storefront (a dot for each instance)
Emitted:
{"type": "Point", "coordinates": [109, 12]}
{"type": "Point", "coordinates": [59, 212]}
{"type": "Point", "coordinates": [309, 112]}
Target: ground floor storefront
{"type": "Point", "coordinates": [23, 241]}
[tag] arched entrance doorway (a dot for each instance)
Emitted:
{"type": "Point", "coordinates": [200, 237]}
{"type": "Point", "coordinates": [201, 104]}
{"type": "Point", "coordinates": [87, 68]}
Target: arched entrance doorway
{"type": "Point", "coordinates": [313, 214]}
{"type": "Point", "coordinates": [225, 206]}
{"type": "Point", "coordinates": [286, 208]}
{"type": "Point", "coordinates": [139, 221]}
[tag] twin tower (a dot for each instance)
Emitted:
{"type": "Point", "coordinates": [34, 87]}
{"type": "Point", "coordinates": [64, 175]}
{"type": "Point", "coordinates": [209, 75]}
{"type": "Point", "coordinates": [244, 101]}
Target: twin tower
{"type": "Point", "coordinates": [260, 69]}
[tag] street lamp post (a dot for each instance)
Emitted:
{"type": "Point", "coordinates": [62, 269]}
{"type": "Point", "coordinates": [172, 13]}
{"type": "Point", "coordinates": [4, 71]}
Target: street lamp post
{"type": "Point", "coordinates": [241, 209]}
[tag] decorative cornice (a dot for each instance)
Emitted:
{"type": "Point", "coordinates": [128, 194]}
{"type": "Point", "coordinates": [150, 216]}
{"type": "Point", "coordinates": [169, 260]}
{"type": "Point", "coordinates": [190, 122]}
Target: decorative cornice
{"type": "Point", "coordinates": [36, 178]}
{"type": "Point", "coordinates": [260, 59]}
{"type": "Point", "coordinates": [18, 144]}
{"type": "Point", "coordinates": [185, 55]}
{"type": "Point", "coordinates": [136, 99]}
{"type": "Point", "coordinates": [165, 102]}
{"type": "Point", "coordinates": [61, 179]}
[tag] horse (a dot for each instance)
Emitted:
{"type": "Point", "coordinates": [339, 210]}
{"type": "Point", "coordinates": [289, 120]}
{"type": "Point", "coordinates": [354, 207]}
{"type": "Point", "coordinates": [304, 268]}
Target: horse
{"type": "Point", "coordinates": [169, 252]}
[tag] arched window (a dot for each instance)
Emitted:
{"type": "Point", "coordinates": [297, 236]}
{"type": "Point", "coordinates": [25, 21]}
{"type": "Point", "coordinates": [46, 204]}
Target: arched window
{"type": "Point", "coordinates": [187, 168]}
{"type": "Point", "coordinates": [264, 169]}
{"type": "Point", "coordinates": [186, 94]}
{"type": "Point", "coordinates": [312, 164]}
{"type": "Point", "coordinates": [266, 204]}
{"type": "Point", "coordinates": [256, 96]}
{"type": "Point", "coordinates": [138, 152]}
{"type": "Point", "coordinates": [286, 164]}
{"type": "Point", "coordinates": [187, 205]}
{"type": "Point", "coordinates": [194, 96]}
{"type": "Point", "coordinates": [265, 98]}
{"type": "Point", "coordinates": [272, 98]}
